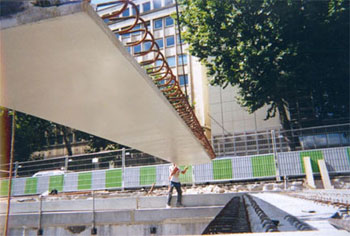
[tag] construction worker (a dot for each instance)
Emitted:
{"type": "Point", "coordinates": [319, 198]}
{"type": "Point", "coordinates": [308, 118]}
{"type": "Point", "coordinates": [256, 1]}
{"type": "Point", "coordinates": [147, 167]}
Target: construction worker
{"type": "Point", "coordinates": [174, 173]}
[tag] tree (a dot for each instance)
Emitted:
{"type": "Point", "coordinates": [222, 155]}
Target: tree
{"type": "Point", "coordinates": [34, 134]}
{"type": "Point", "coordinates": [97, 144]}
{"type": "Point", "coordinates": [29, 133]}
{"type": "Point", "coordinates": [275, 52]}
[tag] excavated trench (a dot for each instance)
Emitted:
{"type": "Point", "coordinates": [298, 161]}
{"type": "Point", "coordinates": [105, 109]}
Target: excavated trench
{"type": "Point", "coordinates": [245, 213]}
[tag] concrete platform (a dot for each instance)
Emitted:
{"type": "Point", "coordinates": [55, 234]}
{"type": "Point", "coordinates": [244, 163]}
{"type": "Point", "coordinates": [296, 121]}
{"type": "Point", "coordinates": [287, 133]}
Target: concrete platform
{"type": "Point", "coordinates": [316, 215]}
{"type": "Point", "coordinates": [142, 214]}
{"type": "Point", "coordinates": [53, 204]}
{"type": "Point", "coordinates": [118, 216]}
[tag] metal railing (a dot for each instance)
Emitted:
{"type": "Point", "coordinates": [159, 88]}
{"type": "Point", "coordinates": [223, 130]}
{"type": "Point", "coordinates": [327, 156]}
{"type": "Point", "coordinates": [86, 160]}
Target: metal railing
{"type": "Point", "coordinates": [85, 162]}
{"type": "Point", "coordinates": [138, 175]}
{"type": "Point", "coordinates": [240, 145]}
{"type": "Point", "coordinates": [271, 141]}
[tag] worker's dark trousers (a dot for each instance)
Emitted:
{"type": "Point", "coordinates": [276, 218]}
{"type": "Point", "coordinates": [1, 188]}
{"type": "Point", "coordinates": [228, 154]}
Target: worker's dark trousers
{"type": "Point", "coordinates": [179, 192]}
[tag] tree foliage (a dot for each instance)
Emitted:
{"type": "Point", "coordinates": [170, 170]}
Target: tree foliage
{"type": "Point", "coordinates": [34, 134]}
{"type": "Point", "coordinates": [30, 133]}
{"type": "Point", "coordinates": [278, 53]}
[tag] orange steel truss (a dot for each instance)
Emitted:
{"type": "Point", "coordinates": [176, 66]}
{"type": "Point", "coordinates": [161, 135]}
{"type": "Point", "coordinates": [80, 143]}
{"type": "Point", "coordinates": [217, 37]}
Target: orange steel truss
{"type": "Point", "coordinates": [162, 75]}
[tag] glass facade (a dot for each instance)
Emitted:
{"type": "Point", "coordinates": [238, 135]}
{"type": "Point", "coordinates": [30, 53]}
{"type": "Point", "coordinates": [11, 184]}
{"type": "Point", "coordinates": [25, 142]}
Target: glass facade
{"type": "Point", "coordinates": [158, 24]}
{"type": "Point", "coordinates": [136, 28]}
{"type": "Point", "coordinates": [168, 2]}
{"type": "Point", "coordinates": [160, 43]}
{"type": "Point", "coordinates": [171, 61]}
{"type": "Point", "coordinates": [159, 63]}
{"type": "Point", "coordinates": [183, 79]}
{"type": "Point", "coordinates": [126, 12]}
{"type": "Point", "coordinates": [182, 59]}
{"type": "Point", "coordinates": [178, 39]}
{"type": "Point", "coordinates": [170, 41]}
{"type": "Point", "coordinates": [157, 4]}
{"type": "Point", "coordinates": [147, 46]}
{"type": "Point", "coordinates": [137, 48]}
{"type": "Point", "coordinates": [146, 6]}
{"type": "Point", "coordinates": [169, 21]}
{"type": "Point", "coordinates": [134, 11]}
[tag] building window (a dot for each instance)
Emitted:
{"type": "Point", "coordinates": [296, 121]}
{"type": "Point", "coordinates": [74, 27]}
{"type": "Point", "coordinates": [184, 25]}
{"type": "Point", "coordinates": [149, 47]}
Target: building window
{"type": "Point", "coordinates": [146, 6]}
{"type": "Point", "coordinates": [161, 82]}
{"type": "Point", "coordinates": [137, 49]}
{"type": "Point", "coordinates": [136, 28]}
{"type": "Point", "coordinates": [170, 41]}
{"type": "Point", "coordinates": [125, 35]}
{"type": "Point", "coordinates": [183, 79]}
{"type": "Point", "coordinates": [160, 43]}
{"type": "Point", "coordinates": [52, 140]}
{"type": "Point", "coordinates": [159, 63]}
{"type": "Point", "coordinates": [171, 61]}
{"type": "Point", "coordinates": [168, 2]}
{"type": "Point", "coordinates": [178, 39]}
{"type": "Point", "coordinates": [147, 46]}
{"type": "Point", "coordinates": [126, 12]}
{"type": "Point", "coordinates": [134, 11]}
{"type": "Point", "coordinates": [158, 24]}
{"type": "Point", "coordinates": [148, 25]}
{"type": "Point", "coordinates": [182, 59]}
{"type": "Point", "coordinates": [169, 21]}
{"type": "Point", "coordinates": [60, 139]}
{"type": "Point", "coordinates": [157, 4]}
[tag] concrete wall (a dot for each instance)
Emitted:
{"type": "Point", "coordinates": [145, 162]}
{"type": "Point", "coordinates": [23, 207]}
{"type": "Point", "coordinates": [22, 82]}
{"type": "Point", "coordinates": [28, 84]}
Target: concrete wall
{"type": "Point", "coordinates": [115, 216]}
{"type": "Point", "coordinates": [53, 203]}
{"type": "Point", "coordinates": [231, 117]}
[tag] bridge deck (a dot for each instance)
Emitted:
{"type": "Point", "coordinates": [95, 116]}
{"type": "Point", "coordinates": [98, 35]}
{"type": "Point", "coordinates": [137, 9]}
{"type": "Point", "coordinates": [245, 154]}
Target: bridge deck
{"type": "Point", "coordinates": [63, 64]}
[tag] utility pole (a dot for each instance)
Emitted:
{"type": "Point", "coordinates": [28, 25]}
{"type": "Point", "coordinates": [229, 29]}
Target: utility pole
{"type": "Point", "coordinates": [10, 171]}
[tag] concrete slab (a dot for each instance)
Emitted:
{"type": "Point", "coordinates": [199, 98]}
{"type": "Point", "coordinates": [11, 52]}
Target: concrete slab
{"type": "Point", "coordinates": [63, 64]}
{"type": "Point", "coordinates": [175, 213]}
{"type": "Point", "coordinates": [315, 215]}
{"type": "Point", "coordinates": [114, 203]}
{"type": "Point", "coordinates": [186, 219]}
{"type": "Point", "coordinates": [112, 219]}
{"type": "Point", "coordinates": [299, 233]}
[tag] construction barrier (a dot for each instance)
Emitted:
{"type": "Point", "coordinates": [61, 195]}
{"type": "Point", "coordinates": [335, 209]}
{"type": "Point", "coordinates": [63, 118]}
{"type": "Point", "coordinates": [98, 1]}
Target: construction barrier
{"type": "Point", "coordinates": [219, 170]}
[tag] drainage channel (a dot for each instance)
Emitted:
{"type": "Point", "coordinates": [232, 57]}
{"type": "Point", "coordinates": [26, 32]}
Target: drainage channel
{"type": "Point", "coordinates": [232, 218]}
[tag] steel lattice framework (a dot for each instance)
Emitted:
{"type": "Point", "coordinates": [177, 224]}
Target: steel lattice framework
{"type": "Point", "coordinates": [162, 75]}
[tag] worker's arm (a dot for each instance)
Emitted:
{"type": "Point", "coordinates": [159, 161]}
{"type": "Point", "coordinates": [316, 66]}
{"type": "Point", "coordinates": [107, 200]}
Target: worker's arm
{"type": "Point", "coordinates": [184, 171]}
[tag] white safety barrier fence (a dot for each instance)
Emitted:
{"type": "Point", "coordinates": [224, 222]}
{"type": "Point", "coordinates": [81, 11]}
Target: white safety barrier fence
{"type": "Point", "coordinates": [220, 170]}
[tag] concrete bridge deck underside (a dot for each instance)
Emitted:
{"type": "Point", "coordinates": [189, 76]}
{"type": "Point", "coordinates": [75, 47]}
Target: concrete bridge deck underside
{"type": "Point", "coordinates": [63, 64]}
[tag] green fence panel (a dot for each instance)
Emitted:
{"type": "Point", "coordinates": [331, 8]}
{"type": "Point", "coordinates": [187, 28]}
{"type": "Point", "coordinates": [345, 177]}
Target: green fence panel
{"type": "Point", "coordinates": [31, 185]}
{"type": "Point", "coordinates": [56, 182]}
{"type": "Point", "coordinates": [4, 187]}
{"type": "Point", "coordinates": [114, 178]}
{"type": "Point", "coordinates": [187, 177]}
{"type": "Point", "coordinates": [222, 169]}
{"type": "Point", "coordinates": [148, 175]}
{"type": "Point", "coordinates": [84, 180]}
{"type": "Point", "coordinates": [348, 150]}
{"type": "Point", "coordinates": [314, 157]}
{"type": "Point", "coordinates": [263, 166]}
